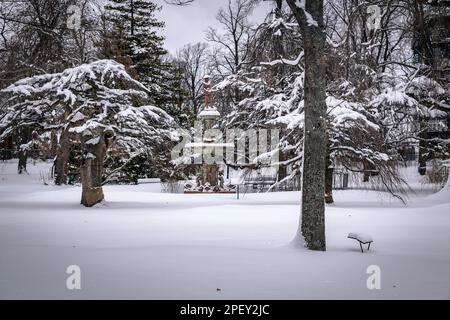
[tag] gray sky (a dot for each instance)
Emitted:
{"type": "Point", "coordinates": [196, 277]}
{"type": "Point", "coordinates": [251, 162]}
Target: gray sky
{"type": "Point", "coordinates": [188, 23]}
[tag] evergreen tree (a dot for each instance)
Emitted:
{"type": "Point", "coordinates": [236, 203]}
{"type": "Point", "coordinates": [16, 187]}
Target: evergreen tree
{"type": "Point", "coordinates": [100, 114]}
{"type": "Point", "coordinates": [173, 95]}
{"type": "Point", "coordinates": [132, 38]}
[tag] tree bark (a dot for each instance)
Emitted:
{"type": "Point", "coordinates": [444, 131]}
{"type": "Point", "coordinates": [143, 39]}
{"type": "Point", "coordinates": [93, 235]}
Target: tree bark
{"type": "Point", "coordinates": [62, 159]}
{"type": "Point", "coordinates": [54, 143]}
{"type": "Point", "coordinates": [423, 148]}
{"type": "Point", "coordinates": [423, 45]}
{"type": "Point", "coordinates": [279, 69]}
{"type": "Point", "coordinates": [95, 147]}
{"type": "Point", "coordinates": [92, 191]}
{"type": "Point", "coordinates": [329, 171]}
{"type": "Point", "coordinates": [366, 172]}
{"type": "Point", "coordinates": [23, 157]}
{"type": "Point", "coordinates": [315, 131]}
{"type": "Point", "coordinates": [282, 170]}
{"type": "Point", "coordinates": [25, 137]}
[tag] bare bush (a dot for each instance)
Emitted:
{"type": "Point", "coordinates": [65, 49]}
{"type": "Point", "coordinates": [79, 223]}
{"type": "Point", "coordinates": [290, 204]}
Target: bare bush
{"type": "Point", "coordinates": [172, 186]}
{"type": "Point", "coordinates": [437, 174]}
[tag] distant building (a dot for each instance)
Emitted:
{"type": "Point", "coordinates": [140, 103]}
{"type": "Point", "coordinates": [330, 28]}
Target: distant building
{"type": "Point", "coordinates": [440, 42]}
{"type": "Point", "coordinates": [431, 46]}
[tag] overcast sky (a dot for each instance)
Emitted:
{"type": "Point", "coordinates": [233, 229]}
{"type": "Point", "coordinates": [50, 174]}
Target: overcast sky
{"type": "Point", "coordinates": [187, 24]}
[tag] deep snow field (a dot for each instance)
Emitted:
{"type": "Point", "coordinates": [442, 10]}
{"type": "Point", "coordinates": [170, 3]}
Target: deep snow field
{"type": "Point", "coordinates": [143, 244]}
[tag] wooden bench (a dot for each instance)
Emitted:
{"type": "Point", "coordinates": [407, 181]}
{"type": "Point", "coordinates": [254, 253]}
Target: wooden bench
{"type": "Point", "coordinates": [361, 238]}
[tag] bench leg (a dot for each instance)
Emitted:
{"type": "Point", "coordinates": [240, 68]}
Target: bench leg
{"type": "Point", "coordinates": [368, 248]}
{"type": "Point", "coordinates": [361, 247]}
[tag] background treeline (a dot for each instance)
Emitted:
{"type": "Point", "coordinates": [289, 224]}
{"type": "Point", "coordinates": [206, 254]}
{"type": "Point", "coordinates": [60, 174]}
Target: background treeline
{"type": "Point", "coordinates": [387, 88]}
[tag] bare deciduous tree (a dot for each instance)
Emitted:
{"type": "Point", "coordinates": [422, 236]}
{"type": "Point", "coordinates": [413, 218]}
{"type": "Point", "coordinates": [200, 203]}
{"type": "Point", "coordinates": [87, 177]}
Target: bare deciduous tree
{"type": "Point", "coordinates": [235, 40]}
{"type": "Point", "coordinates": [192, 58]}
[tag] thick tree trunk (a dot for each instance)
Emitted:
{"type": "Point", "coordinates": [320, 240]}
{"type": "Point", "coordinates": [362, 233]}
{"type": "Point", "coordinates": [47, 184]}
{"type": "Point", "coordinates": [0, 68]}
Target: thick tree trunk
{"type": "Point", "coordinates": [95, 147]}
{"type": "Point", "coordinates": [448, 134]}
{"type": "Point", "coordinates": [62, 159]}
{"type": "Point", "coordinates": [24, 138]}
{"type": "Point", "coordinates": [23, 157]}
{"type": "Point", "coordinates": [6, 149]}
{"type": "Point", "coordinates": [54, 143]}
{"type": "Point", "coordinates": [366, 172]}
{"type": "Point", "coordinates": [422, 158]}
{"type": "Point", "coordinates": [423, 45]}
{"type": "Point", "coordinates": [423, 148]}
{"type": "Point", "coordinates": [315, 134]}
{"type": "Point", "coordinates": [282, 170]}
{"type": "Point", "coordinates": [278, 48]}
{"type": "Point", "coordinates": [91, 170]}
{"type": "Point", "coordinates": [329, 170]}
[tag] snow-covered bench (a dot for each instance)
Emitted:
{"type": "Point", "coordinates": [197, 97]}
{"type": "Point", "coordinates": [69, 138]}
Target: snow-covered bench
{"type": "Point", "coordinates": [361, 238]}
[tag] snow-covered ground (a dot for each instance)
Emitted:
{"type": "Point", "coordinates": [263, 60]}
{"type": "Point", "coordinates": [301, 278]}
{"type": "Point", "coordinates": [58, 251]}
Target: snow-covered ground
{"type": "Point", "coordinates": [145, 244]}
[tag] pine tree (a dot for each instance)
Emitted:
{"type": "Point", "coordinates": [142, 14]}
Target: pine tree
{"type": "Point", "coordinates": [133, 33]}
{"type": "Point", "coordinates": [173, 95]}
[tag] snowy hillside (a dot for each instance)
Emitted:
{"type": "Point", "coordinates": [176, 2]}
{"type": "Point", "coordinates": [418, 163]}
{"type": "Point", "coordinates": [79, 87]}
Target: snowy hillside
{"type": "Point", "coordinates": [291, 150]}
{"type": "Point", "coordinates": [145, 244]}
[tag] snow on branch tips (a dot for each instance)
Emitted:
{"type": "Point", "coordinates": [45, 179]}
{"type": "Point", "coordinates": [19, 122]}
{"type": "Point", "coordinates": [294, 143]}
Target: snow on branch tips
{"type": "Point", "coordinates": [285, 61]}
{"type": "Point", "coordinates": [310, 21]}
{"type": "Point", "coordinates": [96, 106]}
